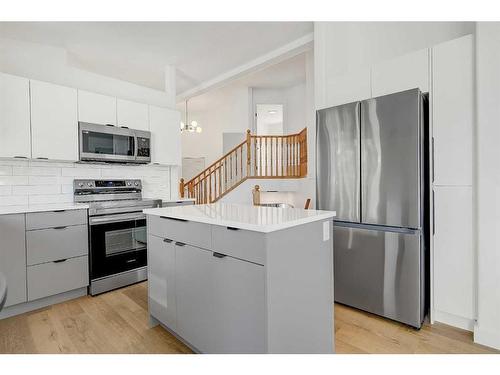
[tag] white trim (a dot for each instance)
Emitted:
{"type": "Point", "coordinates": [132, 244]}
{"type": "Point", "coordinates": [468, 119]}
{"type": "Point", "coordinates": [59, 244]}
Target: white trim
{"type": "Point", "coordinates": [280, 54]}
{"type": "Point", "coordinates": [454, 320]}
{"type": "Point", "coordinates": [43, 302]}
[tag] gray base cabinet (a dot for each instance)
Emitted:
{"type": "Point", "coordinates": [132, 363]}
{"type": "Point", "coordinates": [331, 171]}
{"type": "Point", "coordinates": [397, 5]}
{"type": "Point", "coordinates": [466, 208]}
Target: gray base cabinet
{"type": "Point", "coordinates": [247, 291]}
{"type": "Point", "coordinates": [13, 257]}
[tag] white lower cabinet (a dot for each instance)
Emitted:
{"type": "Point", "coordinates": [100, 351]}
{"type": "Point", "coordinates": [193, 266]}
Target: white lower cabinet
{"type": "Point", "coordinates": [13, 257]}
{"type": "Point", "coordinates": [161, 276]}
{"type": "Point", "coordinates": [453, 259]}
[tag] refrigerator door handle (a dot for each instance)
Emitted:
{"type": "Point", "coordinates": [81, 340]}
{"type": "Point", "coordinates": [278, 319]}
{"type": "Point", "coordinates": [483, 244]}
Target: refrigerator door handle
{"type": "Point", "coordinates": [432, 159]}
{"type": "Point", "coordinates": [433, 214]}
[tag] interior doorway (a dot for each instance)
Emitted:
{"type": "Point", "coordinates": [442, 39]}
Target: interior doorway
{"type": "Point", "coordinates": [269, 119]}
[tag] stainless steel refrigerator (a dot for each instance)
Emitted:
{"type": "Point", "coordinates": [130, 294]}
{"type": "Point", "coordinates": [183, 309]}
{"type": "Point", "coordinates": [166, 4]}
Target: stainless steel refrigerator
{"type": "Point", "coordinates": [372, 169]}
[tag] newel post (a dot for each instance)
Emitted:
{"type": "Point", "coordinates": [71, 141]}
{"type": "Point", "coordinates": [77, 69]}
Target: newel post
{"type": "Point", "coordinates": [249, 141]}
{"type": "Point", "coordinates": [181, 188]}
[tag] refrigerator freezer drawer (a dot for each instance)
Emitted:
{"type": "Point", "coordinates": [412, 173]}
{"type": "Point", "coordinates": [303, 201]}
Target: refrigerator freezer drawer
{"type": "Point", "coordinates": [380, 272]}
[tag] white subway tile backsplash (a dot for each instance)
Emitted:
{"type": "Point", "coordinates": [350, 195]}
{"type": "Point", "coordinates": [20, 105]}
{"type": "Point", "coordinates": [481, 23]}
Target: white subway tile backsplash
{"type": "Point", "coordinates": [36, 171]}
{"type": "Point", "coordinates": [5, 170]}
{"type": "Point", "coordinates": [40, 182]}
{"type": "Point", "coordinates": [11, 200]}
{"type": "Point", "coordinates": [36, 189]}
{"type": "Point", "coordinates": [13, 180]}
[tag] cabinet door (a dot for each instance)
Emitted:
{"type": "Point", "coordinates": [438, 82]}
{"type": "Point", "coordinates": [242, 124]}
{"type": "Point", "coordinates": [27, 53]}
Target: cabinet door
{"type": "Point", "coordinates": [13, 257]}
{"type": "Point", "coordinates": [402, 73]}
{"type": "Point", "coordinates": [54, 124]}
{"type": "Point", "coordinates": [453, 251]}
{"type": "Point", "coordinates": [165, 135]}
{"type": "Point", "coordinates": [238, 298]}
{"type": "Point", "coordinates": [453, 111]}
{"type": "Point", "coordinates": [349, 87]}
{"type": "Point", "coordinates": [161, 280]}
{"type": "Point", "coordinates": [14, 117]}
{"type": "Point", "coordinates": [132, 115]}
{"type": "Point", "coordinates": [96, 108]}
{"type": "Point", "coordinates": [195, 321]}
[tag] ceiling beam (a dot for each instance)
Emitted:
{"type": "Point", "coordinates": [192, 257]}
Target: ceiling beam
{"type": "Point", "coordinates": [276, 56]}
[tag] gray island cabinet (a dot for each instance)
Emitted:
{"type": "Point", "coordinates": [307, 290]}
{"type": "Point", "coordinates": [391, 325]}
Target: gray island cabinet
{"type": "Point", "coordinates": [229, 278]}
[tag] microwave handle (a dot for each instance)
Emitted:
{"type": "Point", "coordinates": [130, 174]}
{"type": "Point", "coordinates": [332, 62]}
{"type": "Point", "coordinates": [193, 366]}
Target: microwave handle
{"type": "Point", "coordinates": [136, 146]}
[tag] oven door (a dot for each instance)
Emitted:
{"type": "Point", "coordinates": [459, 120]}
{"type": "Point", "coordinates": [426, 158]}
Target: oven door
{"type": "Point", "coordinates": [106, 143]}
{"type": "Point", "coordinates": [117, 244]}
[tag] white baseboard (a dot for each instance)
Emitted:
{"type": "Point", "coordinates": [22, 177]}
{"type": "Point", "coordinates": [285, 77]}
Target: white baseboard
{"type": "Point", "coordinates": [42, 302]}
{"type": "Point", "coordinates": [487, 338]}
{"type": "Point", "coordinates": [454, 320]}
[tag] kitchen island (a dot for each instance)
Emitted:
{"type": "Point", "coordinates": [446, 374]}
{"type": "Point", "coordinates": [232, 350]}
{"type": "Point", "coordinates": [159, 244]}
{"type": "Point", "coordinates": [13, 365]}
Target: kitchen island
{"type": "Point", "coordinates": [229, 278]}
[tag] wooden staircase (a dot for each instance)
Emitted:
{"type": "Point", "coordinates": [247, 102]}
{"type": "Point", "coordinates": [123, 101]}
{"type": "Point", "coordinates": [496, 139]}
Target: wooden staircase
{"type": "Point", "coordinates": [259, 156]}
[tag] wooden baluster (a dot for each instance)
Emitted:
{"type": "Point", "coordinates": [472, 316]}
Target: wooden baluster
{"type": "Point", "coordinates": [209, 186]}
{"type": "Point", "coordinates": [277, 157]}
{"type": "Point", "coordinates": [282, 158]}
{"type": "Point", "coordinates": [241, 161]}
{"type": "Point", "coordinates": [220, 179]}
{"type": "Point", "coordinates": [181, 188]}
{"type": "Point", "coordinates": [254, 157]}
{"type": "Point", "coordinates": [249, 140]}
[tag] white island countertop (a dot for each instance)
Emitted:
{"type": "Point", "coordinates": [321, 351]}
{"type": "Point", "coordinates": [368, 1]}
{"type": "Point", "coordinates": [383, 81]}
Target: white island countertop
{"type": "Point", "coordinates": [254, 218]}
{"type": "Point", "coordinates": [22, 209]}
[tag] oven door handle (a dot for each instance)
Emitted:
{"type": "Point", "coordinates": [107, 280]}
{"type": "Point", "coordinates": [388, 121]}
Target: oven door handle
{"type": "Point", "coordinates": [105, 219]}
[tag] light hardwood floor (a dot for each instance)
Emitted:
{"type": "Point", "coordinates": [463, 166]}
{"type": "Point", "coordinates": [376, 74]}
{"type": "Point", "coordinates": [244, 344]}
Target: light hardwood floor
{"type": "Point", "coordinates": [117, 322]}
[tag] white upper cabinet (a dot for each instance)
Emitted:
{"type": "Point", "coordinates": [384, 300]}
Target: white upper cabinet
{"type": "Point", "coordinates": [132, 115]}
{"type": "Point", "coordinates": [402, 73]}
{"type": "Point", "coordinates": [453, 111]}
{"type": "Point", "coordinates": [166, 135]}
{"type": "Point", "coordinates": [96, 108]}
{"type": "Point", "coordinates": [349, 87]}
{"type": "Point", "coordinates": [14, 117]}
{"type": "Point", "coordinates": [54, 122]}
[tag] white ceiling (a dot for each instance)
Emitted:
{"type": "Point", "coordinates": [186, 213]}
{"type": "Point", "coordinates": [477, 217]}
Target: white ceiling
{"type": "Point", "coordinates": [138, 51]}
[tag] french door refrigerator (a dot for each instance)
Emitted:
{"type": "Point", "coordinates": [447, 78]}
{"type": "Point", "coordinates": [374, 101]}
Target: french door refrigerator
{"type": "Point", "coordinates": [372, 170]}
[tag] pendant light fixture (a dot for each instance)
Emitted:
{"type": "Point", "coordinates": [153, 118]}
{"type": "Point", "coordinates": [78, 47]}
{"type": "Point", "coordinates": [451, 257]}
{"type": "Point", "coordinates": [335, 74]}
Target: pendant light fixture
{"type": "Point", "coordinates": [192, 126]}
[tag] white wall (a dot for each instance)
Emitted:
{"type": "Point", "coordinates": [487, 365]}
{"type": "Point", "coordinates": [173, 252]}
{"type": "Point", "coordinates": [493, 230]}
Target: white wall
{"type": "Point", "coordinates": [487, 331]}
{"type": "Point", "coordinates": [217, 112]}
{"type": "Point", "coordinates": [34, 182]}
{"type": "Point", "coordinates": [52, 64]}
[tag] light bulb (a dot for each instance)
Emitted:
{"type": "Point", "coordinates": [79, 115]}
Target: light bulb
{"type": "Point", "coordinates": [194, 124]}
{"type": "Point", "coordinates": [199, 129]}
{"type": "Point", "coordinates": [182, 125]}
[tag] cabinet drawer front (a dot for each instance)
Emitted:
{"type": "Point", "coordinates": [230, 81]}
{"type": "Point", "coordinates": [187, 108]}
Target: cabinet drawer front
{"type": "Point", "coordinates": [239, 243]}
{"type": "Point", "coordinates": [41, 220]}
{"type": "Point", "coordinates": [47, 245]}
{"type": "Point", "coordinates": [190, 232]}
{"type": "Point", "coordinates": [53, 278]}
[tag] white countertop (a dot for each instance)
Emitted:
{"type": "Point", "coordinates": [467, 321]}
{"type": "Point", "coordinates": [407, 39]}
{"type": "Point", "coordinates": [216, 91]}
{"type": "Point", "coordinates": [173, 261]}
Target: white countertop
{"type": "Point", "coordinates": [255, 218]}
{"type": "Point", "coordinates": [5, 210]}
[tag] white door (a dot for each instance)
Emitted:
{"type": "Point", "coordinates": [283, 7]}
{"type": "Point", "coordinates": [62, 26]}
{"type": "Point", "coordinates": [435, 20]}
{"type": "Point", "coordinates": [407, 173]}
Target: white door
{"type": "Point", "coordinates": [96, 108]}
{"type": "Point", "coordinates": [14, 117]}
{"type": "Point", "coordinates": [453, 111]}
{"type": "Point", "coordinates": [401, 73]}
{"type": "Point", "coordinates": [453, 253]}
{"type": "Point", "coordinates": [161, 280]}
{"type": "Point", "coordinates": [132, 115]}
{"type": "Point", "coordinates": [239, 303]}
{"type": "Point", "coordinates": [194, 296]}
{"type": "Point", "coordinates": [13, 257]}
{"type": "Point", "coordinates": [165, 135]}
{"type": "Point", "coordinates": [54, 124]}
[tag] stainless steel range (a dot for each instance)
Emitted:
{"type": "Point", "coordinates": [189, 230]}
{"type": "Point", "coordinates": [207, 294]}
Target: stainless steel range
{"type": "Point", "coordinates": [117, 234]}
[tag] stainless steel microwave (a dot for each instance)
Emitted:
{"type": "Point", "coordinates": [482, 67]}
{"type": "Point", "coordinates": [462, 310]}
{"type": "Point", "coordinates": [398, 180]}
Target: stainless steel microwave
{"type": "Point", "coordinates": [109, 143]}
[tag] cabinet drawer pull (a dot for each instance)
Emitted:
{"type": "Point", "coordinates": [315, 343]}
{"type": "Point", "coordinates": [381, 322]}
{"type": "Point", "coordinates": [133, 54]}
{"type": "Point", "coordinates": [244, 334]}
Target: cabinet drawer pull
{"type": "Point", "coordinates": [58, 228]}
{"type": "Point", "coordinates": [131, 260]}
{"type": "Point", "coordinates": [58, 210]}
{"type": "Point", "coordinates": [20, 157]}
{"type": "Point", "coordinates": [167, 240]}
{"type": "Point", "coordinates": [173, 218]}
{"type": "Point", "coordinates": [180, 244]}
{"type": "Point", "coordinates": [219, 255]}
{"type": "Point", "coordinates": [232, 228]}
{"type": "Point", "coordinates": [60, 260]}
{"type": "Point", "coordinates": [42, 158]}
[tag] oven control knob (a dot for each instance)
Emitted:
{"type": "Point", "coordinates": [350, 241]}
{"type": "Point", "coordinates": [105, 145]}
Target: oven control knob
{"type": "Point", "coordinates": [129, 183]}
{"type": "Point", "coordinates": [80, 184]}
{"type": "Point", "coordinates": [89, 184]}
{"type": "Point", "coordinates": [136, 183]}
